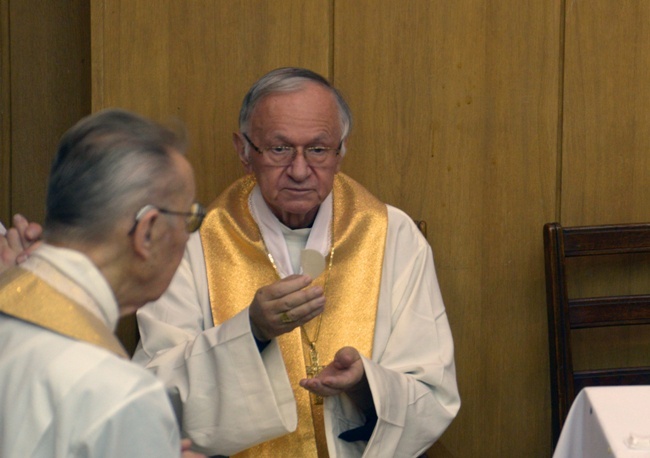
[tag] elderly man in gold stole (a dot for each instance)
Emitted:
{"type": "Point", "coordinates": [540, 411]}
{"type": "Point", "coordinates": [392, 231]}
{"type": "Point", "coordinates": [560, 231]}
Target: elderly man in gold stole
{"type": "Point", "coordinates": [264, 359]}
{"type": "Point", "coordinates": [119, 212]}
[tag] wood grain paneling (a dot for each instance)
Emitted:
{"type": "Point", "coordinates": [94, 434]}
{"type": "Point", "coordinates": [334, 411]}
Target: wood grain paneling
{"type": "Point", "coordinates": [49, 90]}
{"type": "Point", "coordinates": [5, 118]}
{"type": "Point", "coordinates": [456, 122]}
{"type": "Point", "coordinates": [606, 155]}
{"type": "Point", "coordinates": [195, 61]}
{"type": "Point", "coordinates": [606, 161]}
{"type": "Point", "coordinates": [459, 101]}
{"type": "Point", "coordinates": [457, 107]}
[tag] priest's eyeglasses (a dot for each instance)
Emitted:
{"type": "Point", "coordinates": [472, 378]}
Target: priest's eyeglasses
{"type": "Point", "coordinates": [282, 155]}
{"type": "Point", "coordinates": [193, 218]}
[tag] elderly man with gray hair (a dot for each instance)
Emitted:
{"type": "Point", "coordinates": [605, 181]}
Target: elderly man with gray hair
{"type": "Point", "coordinates": [120, 207]}
{"type": "Point", "coordinates": [306, 318]}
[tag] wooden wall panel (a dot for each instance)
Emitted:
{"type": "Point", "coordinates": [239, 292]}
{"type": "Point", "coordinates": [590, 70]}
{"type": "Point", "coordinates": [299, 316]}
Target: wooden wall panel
{"type": "Point", "coordinates": [606, 155]}
{"type": "Point", "coordinates": [456, 109]}
{"type": "Point", "coordinates": [606, 144]}
{"type": "Point", "coordinates": [49, 86]}
{"type": "Point", "coordinates": [195, 61]}
{"type": "Point", "coordinates": [5, 118]}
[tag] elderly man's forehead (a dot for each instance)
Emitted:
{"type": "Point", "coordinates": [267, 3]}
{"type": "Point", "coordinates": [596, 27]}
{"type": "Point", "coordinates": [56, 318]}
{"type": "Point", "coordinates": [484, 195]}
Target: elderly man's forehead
{"type": "Point", "coordinates": [313, 100]}
{"type": "Point", "coordinates": [304, 87]}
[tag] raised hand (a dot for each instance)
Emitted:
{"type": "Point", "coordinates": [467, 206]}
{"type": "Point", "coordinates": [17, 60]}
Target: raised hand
{"type": "Point", "coordinates": [18, 242]}
{"type": "Point", "coordinates": [284, 305]}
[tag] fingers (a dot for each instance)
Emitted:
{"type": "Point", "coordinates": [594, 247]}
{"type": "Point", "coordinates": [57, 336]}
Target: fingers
{"type": "Point", "coordinates": [292, 311]}
{"type": "Point", "coordinates": [345, 357]}
{"type": "Point", "coordinates": [301, 307]}
{"type": "Point", "coordinates": [343, 374]}
{"type": "Point", "coordinates": [7, 254]}
{"type": "Point", "coordinates": [282, 306]}
{"type": "Point", "coordinates": [282, 288]}
{"type": "Point", "coordinates": [33, 232]}
{"type": "Point", "coordinates": [25, 254]}
{"type": "Point", "coordinates": [13, 240]}
{"type": "Point", "coordinates": [331, 385]}
{"type": "Point", "coordinates": [316, 386]}
{"type": "Point", "coordinates": [186, 445]}
{"type": "Point", "coordinates": [29, 232]}
{"type": "Point", "coordinates": [20, 225]}
{"type": "Point", "coordinates": [17, 243]}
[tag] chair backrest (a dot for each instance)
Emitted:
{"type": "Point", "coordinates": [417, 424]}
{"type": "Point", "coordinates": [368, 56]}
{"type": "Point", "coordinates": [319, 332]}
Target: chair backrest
{"type": "Point", "coordinates": [566, 312]}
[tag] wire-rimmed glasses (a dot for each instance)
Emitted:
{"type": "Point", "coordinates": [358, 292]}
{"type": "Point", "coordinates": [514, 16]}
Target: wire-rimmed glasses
{"type": "Point", "coordinates": [193, 218]}
{"type": "Point", "coordinates": [283, 155]}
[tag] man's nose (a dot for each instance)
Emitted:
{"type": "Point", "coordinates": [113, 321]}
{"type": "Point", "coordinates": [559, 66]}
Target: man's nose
{"type": "Point", "coordinates": [299, 168]}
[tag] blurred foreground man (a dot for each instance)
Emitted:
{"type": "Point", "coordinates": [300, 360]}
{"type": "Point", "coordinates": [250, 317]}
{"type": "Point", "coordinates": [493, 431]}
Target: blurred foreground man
{"type": "Point", "coordinates": [120, 206]}
{"type": "Point", "coordinates": [268, 361]}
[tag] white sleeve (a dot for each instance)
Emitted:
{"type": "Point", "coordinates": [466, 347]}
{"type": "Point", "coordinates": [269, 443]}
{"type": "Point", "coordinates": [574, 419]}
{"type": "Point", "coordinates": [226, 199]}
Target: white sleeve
{"type": "Point", "coordinates": [411, 374]}
{"type": "Point", "coordinates": [231, 396]}
{"type": "Point", "coordinates": [136, 419]}
{"type": "Point", "coordinates": [68, 398]}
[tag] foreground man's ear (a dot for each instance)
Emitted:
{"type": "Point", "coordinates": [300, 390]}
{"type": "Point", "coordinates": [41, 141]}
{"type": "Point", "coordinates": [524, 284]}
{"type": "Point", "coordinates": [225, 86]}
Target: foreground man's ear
{"type": "Point", "coordinates": [143, 234]}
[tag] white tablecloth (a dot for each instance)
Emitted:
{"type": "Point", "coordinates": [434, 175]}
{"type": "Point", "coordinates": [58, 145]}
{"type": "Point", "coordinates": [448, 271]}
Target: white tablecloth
{"type": "Point", "coordinates": [612, 421]}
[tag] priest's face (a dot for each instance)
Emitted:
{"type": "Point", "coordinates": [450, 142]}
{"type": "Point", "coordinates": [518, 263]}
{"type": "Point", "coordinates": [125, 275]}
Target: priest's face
{"type": "Point", "coordinates": [306, 118]}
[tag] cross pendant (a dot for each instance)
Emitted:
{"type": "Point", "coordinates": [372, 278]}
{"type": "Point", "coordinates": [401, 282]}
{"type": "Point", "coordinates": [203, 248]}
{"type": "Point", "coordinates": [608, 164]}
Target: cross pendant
{"type": "Point", "coordinates": [313, 370]}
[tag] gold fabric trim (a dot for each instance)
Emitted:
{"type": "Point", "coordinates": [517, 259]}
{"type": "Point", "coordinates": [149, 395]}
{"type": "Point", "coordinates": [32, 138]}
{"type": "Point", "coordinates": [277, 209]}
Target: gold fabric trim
{"type": "Point", "coordinates": [237, 265]}
{"type": "Point", "coordinates": [25, 296]}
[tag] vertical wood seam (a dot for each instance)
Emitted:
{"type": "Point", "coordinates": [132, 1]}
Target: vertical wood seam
{"type": "Point", "coordinates": [560, 116]}
{"type": "Point", "coordinates": [5, 115]}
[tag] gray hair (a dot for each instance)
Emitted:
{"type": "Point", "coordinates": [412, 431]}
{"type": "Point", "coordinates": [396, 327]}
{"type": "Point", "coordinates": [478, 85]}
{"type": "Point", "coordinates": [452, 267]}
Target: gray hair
{"type": "Point", "coordinates": [106, 167]}
{"type": "Point", "coordinates": [291, 79]}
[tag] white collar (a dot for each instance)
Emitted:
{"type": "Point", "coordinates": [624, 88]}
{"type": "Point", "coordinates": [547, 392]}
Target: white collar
{"type": "Point", "coordinates": [271, 230]}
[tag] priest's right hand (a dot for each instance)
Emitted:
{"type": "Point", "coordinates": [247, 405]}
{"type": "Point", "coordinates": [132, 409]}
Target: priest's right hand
{"type": "Point", "coordinates": [284, 305]}
{"type": "Point", "coordinates": [186, 449]}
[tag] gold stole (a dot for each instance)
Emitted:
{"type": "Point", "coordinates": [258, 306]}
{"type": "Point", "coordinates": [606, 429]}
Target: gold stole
{"type": "Point", "coordinates": [26, 296]}
{"type": "Point", "coordinates": [237, 265]}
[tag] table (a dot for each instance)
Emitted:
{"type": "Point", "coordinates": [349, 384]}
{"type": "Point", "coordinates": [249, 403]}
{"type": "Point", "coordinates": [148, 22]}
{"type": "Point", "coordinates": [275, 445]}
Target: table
{"type": "Point", "coordinates": [611, 421]}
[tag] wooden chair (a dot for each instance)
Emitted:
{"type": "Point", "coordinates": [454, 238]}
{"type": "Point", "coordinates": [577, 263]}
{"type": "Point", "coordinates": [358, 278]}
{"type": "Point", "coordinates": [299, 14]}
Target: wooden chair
{"type": "Point", "coordinates": [566, 312]}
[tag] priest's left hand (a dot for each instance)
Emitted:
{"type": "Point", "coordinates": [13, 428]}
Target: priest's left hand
{"type": "Point", "coordinates": [343, 375]}
{"type": "Point", "coordinates": [18, 242]}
